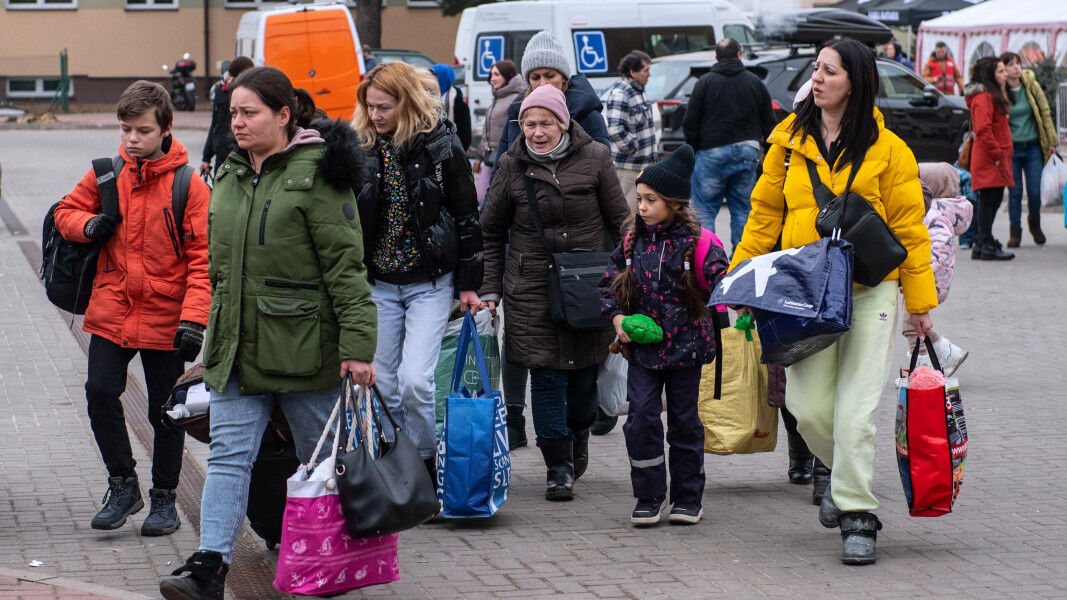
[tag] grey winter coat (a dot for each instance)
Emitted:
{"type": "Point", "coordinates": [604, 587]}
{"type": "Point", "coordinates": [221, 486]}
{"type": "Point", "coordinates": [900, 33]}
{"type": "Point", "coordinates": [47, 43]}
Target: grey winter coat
{"type": "Point", "coordinates": [578, 204]}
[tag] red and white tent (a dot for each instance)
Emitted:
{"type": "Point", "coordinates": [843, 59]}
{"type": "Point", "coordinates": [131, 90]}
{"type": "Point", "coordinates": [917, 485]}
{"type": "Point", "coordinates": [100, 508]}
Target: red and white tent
{"type": "Point", "coordinates": [1034, 29]}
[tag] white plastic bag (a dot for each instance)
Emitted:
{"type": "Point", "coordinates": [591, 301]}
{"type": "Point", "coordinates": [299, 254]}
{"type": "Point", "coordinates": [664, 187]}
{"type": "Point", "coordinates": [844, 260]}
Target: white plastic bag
{"type": "Point", "coordinates": [611, 386]}
{"type": "Point", "coordinates": [1053, 178]}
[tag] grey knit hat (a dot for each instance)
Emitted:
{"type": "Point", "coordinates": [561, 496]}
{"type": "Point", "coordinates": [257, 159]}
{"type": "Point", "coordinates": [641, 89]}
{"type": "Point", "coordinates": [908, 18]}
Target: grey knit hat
{"type": "Point", "coordinates": [544, 50]}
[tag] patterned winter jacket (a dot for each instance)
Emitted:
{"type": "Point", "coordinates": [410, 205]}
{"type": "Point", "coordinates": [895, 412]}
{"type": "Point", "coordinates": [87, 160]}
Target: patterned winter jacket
{"type": "Point", "coordinates": [947, 218]}
{"type": "Point", "coordinates": [658, 263]}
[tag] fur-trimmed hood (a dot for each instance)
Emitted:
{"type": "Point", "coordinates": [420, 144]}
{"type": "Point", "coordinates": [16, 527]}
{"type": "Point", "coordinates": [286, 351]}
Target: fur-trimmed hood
{"type": "Point", "coordinates": [346, 163]}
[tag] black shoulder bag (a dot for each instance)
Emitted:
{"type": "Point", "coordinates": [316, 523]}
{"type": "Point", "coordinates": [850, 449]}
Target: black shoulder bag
{"type": "Point", "coordinates": [573, 278]}
{"type": "Point", "coordinates": [878, 250]}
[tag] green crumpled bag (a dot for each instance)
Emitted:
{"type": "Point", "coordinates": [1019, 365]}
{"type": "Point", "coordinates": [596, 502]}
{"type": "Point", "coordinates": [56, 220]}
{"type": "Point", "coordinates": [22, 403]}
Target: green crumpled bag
{"type": "Point", "coordinates": [642, 329]}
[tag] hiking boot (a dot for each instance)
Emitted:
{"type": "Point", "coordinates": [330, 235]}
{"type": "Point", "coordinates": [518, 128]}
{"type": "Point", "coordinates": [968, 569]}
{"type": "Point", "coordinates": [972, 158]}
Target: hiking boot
{"type": "Point", "coordinates": [123, 498]}
{"type": "Point", "coordinates": [558, 454]}
{"type": "Point", "coordinates": [859, 534]}
{"type": "Point", "coordinates": [685, 514]}
{"type": "Point", "coordinates": [1035, 230]}
{"type": "Point", "coordinates": [581, 452]}
{"type": "Point", "coordinates": [1015, 236]}
{"type": "Point", "coordinates": [162, 515]}
{"type": "Point", "coordinates": [647, 512]}
{"type": "Point", "coordinates": [604, 423]}
{"type": "Point", "coordinates": [202, 577]}
{"type": "Point", "coordinates": [829, 514]}
{"type": "Point", "coordinates": [949, 355]}
{"type": "Point", "coordinates": [516, 428]}
{"type": "Point", "coordinates": [821, 482]}
{"type": "Point", "coordinates": [801, 460]}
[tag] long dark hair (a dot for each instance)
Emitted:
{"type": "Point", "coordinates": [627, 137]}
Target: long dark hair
{"type": "Point", "coordinates": [622, 286]}
{"type": "Point", "coordinates": [858, 127]}
{"type": "Point", "coordinates": [985, 73]}
{"type": "Point", "coordinates": [276, 91]}
{"type": "Point", "coordinates": [1007, 58]}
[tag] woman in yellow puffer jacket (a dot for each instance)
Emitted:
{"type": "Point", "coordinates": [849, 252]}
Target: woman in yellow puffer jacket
{"type": "Point", "coordinates": [834, 393]}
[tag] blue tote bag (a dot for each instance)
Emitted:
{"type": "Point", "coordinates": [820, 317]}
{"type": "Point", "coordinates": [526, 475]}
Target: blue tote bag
{"type": "Point", "coordinates": [801, 297]}
{"type": "Point", "coordinates": [473, 460]}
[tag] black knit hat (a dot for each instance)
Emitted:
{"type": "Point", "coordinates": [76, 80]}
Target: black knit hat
{"type": "Point", "coordinates": [670, 176]}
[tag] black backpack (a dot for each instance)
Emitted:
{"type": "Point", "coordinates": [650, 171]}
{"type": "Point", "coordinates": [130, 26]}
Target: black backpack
{"type": "Point", "coordinates": [68, 268]}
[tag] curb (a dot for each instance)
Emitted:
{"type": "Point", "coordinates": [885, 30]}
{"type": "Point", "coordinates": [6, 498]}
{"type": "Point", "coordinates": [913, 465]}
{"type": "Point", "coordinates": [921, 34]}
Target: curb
{"type": "Point", "coordinates": [72, 584]}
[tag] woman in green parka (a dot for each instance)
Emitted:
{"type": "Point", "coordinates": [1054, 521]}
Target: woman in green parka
{"type": "Point", "coordinates": [291, 310]}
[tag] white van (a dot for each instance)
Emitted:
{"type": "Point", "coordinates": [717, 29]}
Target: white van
{"type": "Point", "coordinates": [595, 33]}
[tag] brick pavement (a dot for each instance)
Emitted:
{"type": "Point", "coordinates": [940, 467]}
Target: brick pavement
{"type": "Point", "coordinates": [760, 537]}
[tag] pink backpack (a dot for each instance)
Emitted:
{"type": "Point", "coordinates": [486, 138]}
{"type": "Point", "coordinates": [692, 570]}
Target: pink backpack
{"type": "Point", "coordinates": [707, 238]}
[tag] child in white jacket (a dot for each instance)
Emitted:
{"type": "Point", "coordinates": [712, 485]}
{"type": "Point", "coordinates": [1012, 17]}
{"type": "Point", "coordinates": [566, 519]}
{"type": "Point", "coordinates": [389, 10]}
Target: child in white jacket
{"type": "Point", "coordinates": [947, 215]}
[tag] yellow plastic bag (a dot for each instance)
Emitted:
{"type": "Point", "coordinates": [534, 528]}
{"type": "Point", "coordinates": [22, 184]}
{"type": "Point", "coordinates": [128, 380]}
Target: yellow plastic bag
{"type": "Point", "coordinates": [741, 421]}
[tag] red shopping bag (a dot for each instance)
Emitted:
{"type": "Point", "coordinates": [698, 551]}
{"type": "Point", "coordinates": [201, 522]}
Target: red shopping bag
{"type": "Point", "coordinates": [931, 438]}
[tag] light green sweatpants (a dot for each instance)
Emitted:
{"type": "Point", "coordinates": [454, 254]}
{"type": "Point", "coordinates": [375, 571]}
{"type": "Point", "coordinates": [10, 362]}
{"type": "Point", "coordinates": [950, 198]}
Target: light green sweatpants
{"type": "Point", "coordinates": [834, 393]}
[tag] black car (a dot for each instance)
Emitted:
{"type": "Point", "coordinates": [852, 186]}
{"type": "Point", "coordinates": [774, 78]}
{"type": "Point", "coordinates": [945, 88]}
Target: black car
{"type": "Point", "coordinates": [931, 123]}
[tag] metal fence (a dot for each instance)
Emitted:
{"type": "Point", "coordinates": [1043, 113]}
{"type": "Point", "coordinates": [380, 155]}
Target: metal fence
{"type": "Point", "coordinates": [1061, 109]}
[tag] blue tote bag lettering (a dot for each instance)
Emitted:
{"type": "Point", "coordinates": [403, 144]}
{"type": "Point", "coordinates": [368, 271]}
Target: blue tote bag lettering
{"type": "Point", "coordinates": [801, 297]}
{"type": "Point", "coordinates": [473, 460]}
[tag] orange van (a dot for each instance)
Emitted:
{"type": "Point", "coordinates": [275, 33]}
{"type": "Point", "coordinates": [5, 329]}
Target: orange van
{"type": "Point", "coordinates": [316, 45]}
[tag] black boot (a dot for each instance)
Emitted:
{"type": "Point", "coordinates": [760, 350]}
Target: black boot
{"type": "Point", "coordinates": [202, 577]}
{"type": "Point", "coordinates": [990, 250]}
{"type": "Point", "coordinates": [801, 460]}
{"type": "Point", "coordinates": [123, 499]}
{"type": "Point", "coordinates": [560, 462]}
{"type": "Point", "coordinates": [829, 514]}
{"type": "Point", "coordinates": [604, 423]}
{"type": "Point", "coordinates": [821, 482]}
{"type": "Point", "coordinates": [162, 515]}
{"type": "Point", "coordinates": [516, 427]}
{"type": "Point", "coordinates": [581, 452]}
{"type": "Point", "coordinates": [859, 534]}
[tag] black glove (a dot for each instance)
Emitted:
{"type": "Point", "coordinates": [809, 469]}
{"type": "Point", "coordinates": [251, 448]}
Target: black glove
{"type": "Point", "coordinates": [101, 227]}
{"type": "Point", "coordinates": [188, 340]}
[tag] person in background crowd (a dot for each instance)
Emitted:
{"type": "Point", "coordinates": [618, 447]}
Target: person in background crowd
{"type": "Point", "coordinates": [991, 151]}
{"type": "Point", "coordinates": [452, 102]}
{"type": "Point", "coordinates": [424, 244]}
{"type": "Point", "coordinates": [895, 52]}
{"type": "Point", "coordinates": [296, 277]}
{"type": "Point", "coordinates": [967, 237]}
{"type": "Point", "coordinates": [729, 115]}
{"type": "Point", "coordinates": [629, 115]}
{"type": "Point", "coordinates": [369, 62]}
{"type": "Point", "coordinates": [507, 85]}
{"type": "Point", "coordinates": [834, 393]}
{"type": "Point", "coordinates": [543, 63]}
{"type": "Point", "coordinates": [941, 70]}
{"type": "Point", "coordinates": [220, 140]}
{"type": "Point", "coordinates": [150, 297]}
{"type": "Point", "coordinates": [947, 215]}
{"type": "Point", "coordinates": [1034, 140]}
{"type": "Point", "coordinates": [650, 275]}
{"type": "Point", "coordinates": [575, 187]}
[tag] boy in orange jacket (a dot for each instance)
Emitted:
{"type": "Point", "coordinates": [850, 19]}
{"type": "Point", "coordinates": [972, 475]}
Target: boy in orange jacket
{"type": "Point", "coordinates": [151, 296]}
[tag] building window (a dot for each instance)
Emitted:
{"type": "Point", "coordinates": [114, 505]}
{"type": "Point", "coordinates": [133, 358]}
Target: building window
{"type": "Point", "coordinates": [257, 3]}
{"type": "Point", "coordinates": [42, 4]}
{"type": "Point", "coordinates": [39, 87]}
{"type": "Point", "coordinates": [151, 4]}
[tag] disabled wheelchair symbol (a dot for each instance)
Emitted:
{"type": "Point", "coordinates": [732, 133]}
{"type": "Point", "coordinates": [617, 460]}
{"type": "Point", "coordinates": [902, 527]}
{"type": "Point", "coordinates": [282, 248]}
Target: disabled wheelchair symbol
{"type": "Point", "coordinates": [591, 51]}
{"type": "Point", "coordinates": [490, 53]}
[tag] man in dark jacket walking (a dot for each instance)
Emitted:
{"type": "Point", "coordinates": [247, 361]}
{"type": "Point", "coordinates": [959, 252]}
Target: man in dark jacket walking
{"type": "Point", "coordinates": [728, 117]}
{"type": "Point", "coordinates": [220, 141]}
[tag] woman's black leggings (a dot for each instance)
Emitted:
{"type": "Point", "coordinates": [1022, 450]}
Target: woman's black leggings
{"type": "Point", "coordinates": [989, 200]}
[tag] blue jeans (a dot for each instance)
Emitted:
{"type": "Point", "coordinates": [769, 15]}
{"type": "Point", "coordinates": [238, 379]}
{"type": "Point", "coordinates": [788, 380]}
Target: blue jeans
{"type": "Point", "coordinates": [563, 401]}
{"type": "Point", "coordinates": [237, 424]}
{"type": "Point", "coordinates": [411, 324]}
{"type": "Point", "coordinates": [1027, 160]}
{"type": "Point", "coordinates": [725, 172]}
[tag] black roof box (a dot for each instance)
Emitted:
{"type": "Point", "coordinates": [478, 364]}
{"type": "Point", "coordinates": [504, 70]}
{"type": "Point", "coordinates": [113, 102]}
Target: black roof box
{"type": "Point", "coordinates": [817, 25]}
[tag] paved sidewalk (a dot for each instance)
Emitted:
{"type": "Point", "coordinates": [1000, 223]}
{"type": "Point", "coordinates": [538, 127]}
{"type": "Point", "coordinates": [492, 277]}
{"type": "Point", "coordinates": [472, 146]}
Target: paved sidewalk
{"type": "Point", "coordinates": [760, 537]}
{"type": "Point", "coordinates": [15, 585]}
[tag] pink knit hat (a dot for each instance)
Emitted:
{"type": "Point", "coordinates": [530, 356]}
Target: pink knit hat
{"type": "Point", "coordinates": [550, 99]}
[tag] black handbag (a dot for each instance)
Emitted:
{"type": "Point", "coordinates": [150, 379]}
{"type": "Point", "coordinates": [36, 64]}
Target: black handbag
{"type": "Point", "coordinates": [573, 278]}
{"type": "Point", "coordinates": [878, 250]}
{"type": "Point", "coordinates": [383, 495]}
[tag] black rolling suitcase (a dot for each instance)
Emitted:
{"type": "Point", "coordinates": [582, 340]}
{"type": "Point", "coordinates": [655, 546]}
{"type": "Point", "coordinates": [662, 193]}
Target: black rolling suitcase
{"type": "Point", "coordinates": [275, 463]}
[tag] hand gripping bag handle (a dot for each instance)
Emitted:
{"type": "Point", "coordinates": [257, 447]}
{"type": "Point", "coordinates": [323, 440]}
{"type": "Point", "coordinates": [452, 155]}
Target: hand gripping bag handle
{"type": "Point", "coordinates": [929, 349]}
{"type": "Point", "coordinates": [469, 333]}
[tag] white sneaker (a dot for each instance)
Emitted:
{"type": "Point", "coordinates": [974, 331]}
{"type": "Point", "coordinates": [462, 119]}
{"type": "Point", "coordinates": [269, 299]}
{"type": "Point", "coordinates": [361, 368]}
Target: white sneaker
{"type": "Point", "coordinates": [950, 355]}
